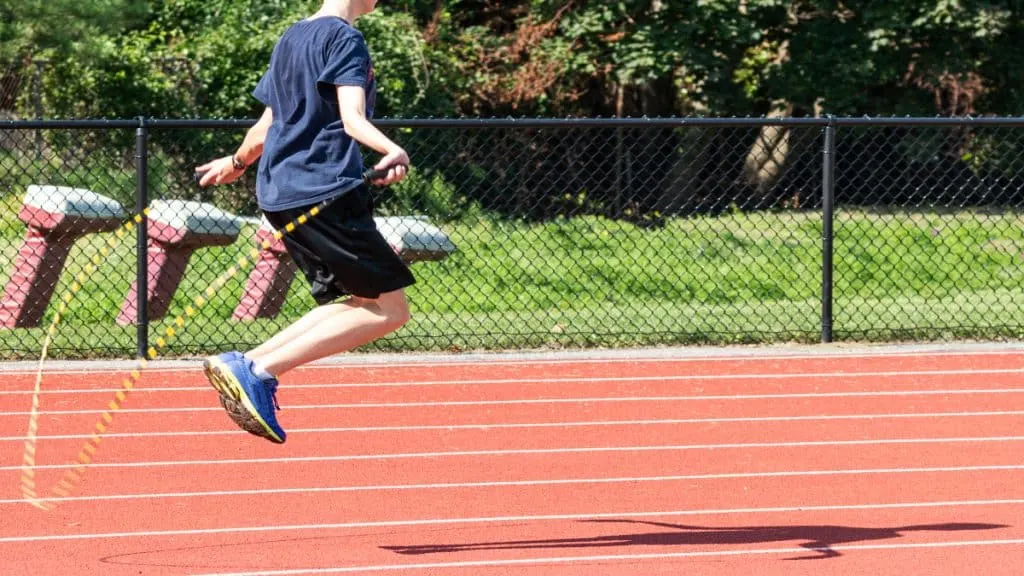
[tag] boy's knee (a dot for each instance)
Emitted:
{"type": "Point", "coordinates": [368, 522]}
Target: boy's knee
{"type": "Point", "coordinates": [395, 309]}
{"type": "Point", "coordinates": [399, 316]}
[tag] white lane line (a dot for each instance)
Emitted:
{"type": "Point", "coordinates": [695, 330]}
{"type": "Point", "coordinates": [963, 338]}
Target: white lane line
{"type": "Point", "coordinates": [679, 355]}
{"type": "Point", "coordinates": [523, 452]}
{"type": "Point", "coordinates": [566, 380]}
{"type": "Point", "coordinates": [531, 425]}
{"type": "Point", "coordinates": [529, 483]}
{"type": "Point", "coordinates": [541, 401]}
{"type": "Point", "coordinates": [626, 557]}
{"type": "Point", "coordinates": [504, 519]}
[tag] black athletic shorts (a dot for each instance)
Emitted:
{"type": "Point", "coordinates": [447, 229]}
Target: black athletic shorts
{"type": "Point", "coordinates": [341, 252]}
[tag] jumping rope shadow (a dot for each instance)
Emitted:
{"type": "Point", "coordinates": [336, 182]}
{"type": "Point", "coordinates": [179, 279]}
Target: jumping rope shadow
{"type": "Point", "coordinates": [818, 539]}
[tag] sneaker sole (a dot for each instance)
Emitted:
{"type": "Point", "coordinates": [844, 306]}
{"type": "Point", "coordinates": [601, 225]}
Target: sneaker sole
{"type": "Point", "coordinates": [233, 395]}
{"type": "Point", "coordinates": [241, 417]}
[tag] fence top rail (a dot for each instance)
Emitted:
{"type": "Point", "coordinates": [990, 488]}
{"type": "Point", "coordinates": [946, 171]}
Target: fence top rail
{"type": "Point", "coordinates": [698, 121]}
{"type": "Point", "coordinates": [84, 124]}
{"type": "Point", "coordinates": [1006, 121]}
{"type": "Point", "coordinates": [598, 122]}
{"type": "Point", "coordinates": [667, 122]}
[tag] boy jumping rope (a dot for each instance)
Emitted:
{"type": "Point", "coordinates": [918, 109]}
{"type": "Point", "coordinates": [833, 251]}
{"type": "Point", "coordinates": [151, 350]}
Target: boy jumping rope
{"type": "Point", "coordinates": [319, 92]}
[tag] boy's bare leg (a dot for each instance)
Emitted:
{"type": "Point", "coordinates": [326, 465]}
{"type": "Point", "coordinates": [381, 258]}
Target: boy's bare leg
{"type": "Point", "coordinates": [338, 328]}
{"type": "Point", "coordinates": [303, 325]}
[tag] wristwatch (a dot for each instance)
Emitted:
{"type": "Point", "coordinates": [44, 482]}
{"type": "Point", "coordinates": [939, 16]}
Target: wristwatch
{"type": "Point", "coordinates": [238, 165]}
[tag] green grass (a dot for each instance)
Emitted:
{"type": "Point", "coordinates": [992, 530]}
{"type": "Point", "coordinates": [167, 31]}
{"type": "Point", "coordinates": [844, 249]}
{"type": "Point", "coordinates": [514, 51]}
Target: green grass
{"type": "Point", "coordinates": [742, 278]}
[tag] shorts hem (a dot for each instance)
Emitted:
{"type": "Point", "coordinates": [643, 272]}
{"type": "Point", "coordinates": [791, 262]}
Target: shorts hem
{"type": "Point", "coordinates": [335, 293]}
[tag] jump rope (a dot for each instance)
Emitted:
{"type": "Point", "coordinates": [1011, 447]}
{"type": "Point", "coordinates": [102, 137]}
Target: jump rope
{"type": "Point", "coordinates": [60, 491]}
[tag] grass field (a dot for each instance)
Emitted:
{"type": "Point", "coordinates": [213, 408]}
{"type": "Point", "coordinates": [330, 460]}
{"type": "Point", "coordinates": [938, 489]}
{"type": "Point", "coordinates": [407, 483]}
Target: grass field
{"type": "Point", "coordinates": [590, 281]}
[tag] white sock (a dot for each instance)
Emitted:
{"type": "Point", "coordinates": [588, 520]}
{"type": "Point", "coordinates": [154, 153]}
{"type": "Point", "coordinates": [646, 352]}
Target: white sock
{"type": "Point", "coordinates": [261, 371]}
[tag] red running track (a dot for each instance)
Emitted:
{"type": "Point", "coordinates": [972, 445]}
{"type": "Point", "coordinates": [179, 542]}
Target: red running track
{"type": "Point", "coordinates": [892, 463]}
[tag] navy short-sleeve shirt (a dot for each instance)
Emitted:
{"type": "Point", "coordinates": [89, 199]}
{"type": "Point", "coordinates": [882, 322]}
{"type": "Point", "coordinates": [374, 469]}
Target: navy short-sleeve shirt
{"type": "Point", "coordinates": [307, 157]}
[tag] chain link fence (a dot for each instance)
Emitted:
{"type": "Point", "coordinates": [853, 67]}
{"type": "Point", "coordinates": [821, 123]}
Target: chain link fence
{"type": "Point", "coordinates": [535, 233]}
{"type": "Point", "coordinates": [930, 241]}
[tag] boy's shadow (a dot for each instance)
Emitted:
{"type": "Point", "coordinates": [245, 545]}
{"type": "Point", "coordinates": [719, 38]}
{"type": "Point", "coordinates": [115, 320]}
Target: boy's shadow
{"type": "Point", "coordinates": [819, 539]}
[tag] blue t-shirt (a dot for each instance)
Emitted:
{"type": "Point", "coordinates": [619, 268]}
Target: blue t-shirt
{"type": "Point", "coordinates": [307, 157]}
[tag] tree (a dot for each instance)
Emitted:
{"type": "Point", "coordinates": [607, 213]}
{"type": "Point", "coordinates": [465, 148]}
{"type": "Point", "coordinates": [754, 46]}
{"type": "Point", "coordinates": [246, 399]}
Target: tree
{"type": "Point", "coordinates": [29, 27]}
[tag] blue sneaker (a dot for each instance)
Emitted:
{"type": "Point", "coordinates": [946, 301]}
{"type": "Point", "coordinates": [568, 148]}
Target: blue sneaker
{"type": "Point", "coordinates": [230, 356]}
{"type": "Point", "coordinates": [225, 358]}
{"type": "Point", "coordinates": [249, 401]}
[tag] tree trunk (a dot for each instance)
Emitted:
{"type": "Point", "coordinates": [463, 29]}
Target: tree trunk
{"type": "Point", "coordinates": [766, 161]}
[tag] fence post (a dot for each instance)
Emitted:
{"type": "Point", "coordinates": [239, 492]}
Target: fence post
{"type": "Point", "coordinates": [141, 244]}
{"type": "Point", "coordinates": [828, 211]}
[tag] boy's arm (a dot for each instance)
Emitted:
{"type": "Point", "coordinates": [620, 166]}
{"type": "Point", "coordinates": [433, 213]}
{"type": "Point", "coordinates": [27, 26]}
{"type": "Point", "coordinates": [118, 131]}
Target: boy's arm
{"type": "Point", "coordinates": [252, 147]}
{"type": "Point", "coordinates": [352, 103]}
{"type": "Point", "coordinates": [230, 168]}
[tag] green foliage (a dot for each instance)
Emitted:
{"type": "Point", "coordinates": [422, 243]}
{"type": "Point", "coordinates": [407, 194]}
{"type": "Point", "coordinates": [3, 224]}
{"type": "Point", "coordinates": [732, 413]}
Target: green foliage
{"type": "Point", "coordinates": [404, 66]}
{"type": "Point", "coordinates": [202, 59]}
{"type": "Point", "coordinates": [59, 27]}
{"type": "Point", "coordinates": [526, 57]}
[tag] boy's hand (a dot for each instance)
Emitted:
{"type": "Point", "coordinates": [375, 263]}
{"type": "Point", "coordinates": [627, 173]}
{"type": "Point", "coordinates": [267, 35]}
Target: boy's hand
{"type": "Point", "coordinates": [219, 171]}
{"type": "Point", "coordinates": [397, 165]}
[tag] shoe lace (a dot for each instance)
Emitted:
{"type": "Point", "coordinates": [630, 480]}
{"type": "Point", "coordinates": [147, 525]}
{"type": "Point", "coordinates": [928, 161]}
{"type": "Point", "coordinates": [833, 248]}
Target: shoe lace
{"type": "Point", "coordinates": [272, 389]}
